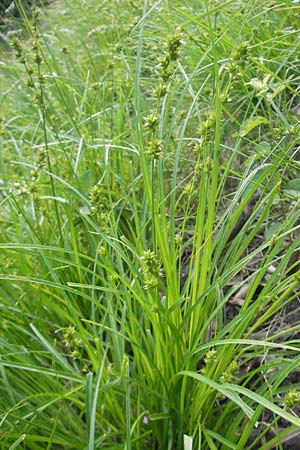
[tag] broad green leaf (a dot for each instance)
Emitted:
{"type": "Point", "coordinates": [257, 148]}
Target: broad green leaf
{"type": "Point", "coordinates": [293, 185]}
{"type": "Point", "coordinates": [86, 180]}
{"type": "Point", "coordinates": [262, 148]}
{"type": "Point", "coordinates": [277, 89]}
{"type": "Point", "coordinates": [272, 230]}
{"type": "Point", "coordinates": [250, 124]}
{"type": "Point", "coordinates": [256, 177]}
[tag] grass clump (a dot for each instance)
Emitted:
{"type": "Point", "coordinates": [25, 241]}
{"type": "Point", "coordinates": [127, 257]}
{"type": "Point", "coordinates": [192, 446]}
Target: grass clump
{"type": "Point", "coordinates": [150, 244]}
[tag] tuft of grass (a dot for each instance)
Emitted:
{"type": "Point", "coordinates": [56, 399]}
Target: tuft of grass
{"type": "Point", "coordinates": [150, 187]}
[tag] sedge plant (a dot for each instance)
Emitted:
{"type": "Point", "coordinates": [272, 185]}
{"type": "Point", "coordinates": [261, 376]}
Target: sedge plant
{"type": "Point", "coordinates": [149, 188]}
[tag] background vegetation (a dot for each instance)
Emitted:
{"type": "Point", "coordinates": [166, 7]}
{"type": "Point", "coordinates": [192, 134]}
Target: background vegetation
{"type": "Point", "coordinates": [150, 226]}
